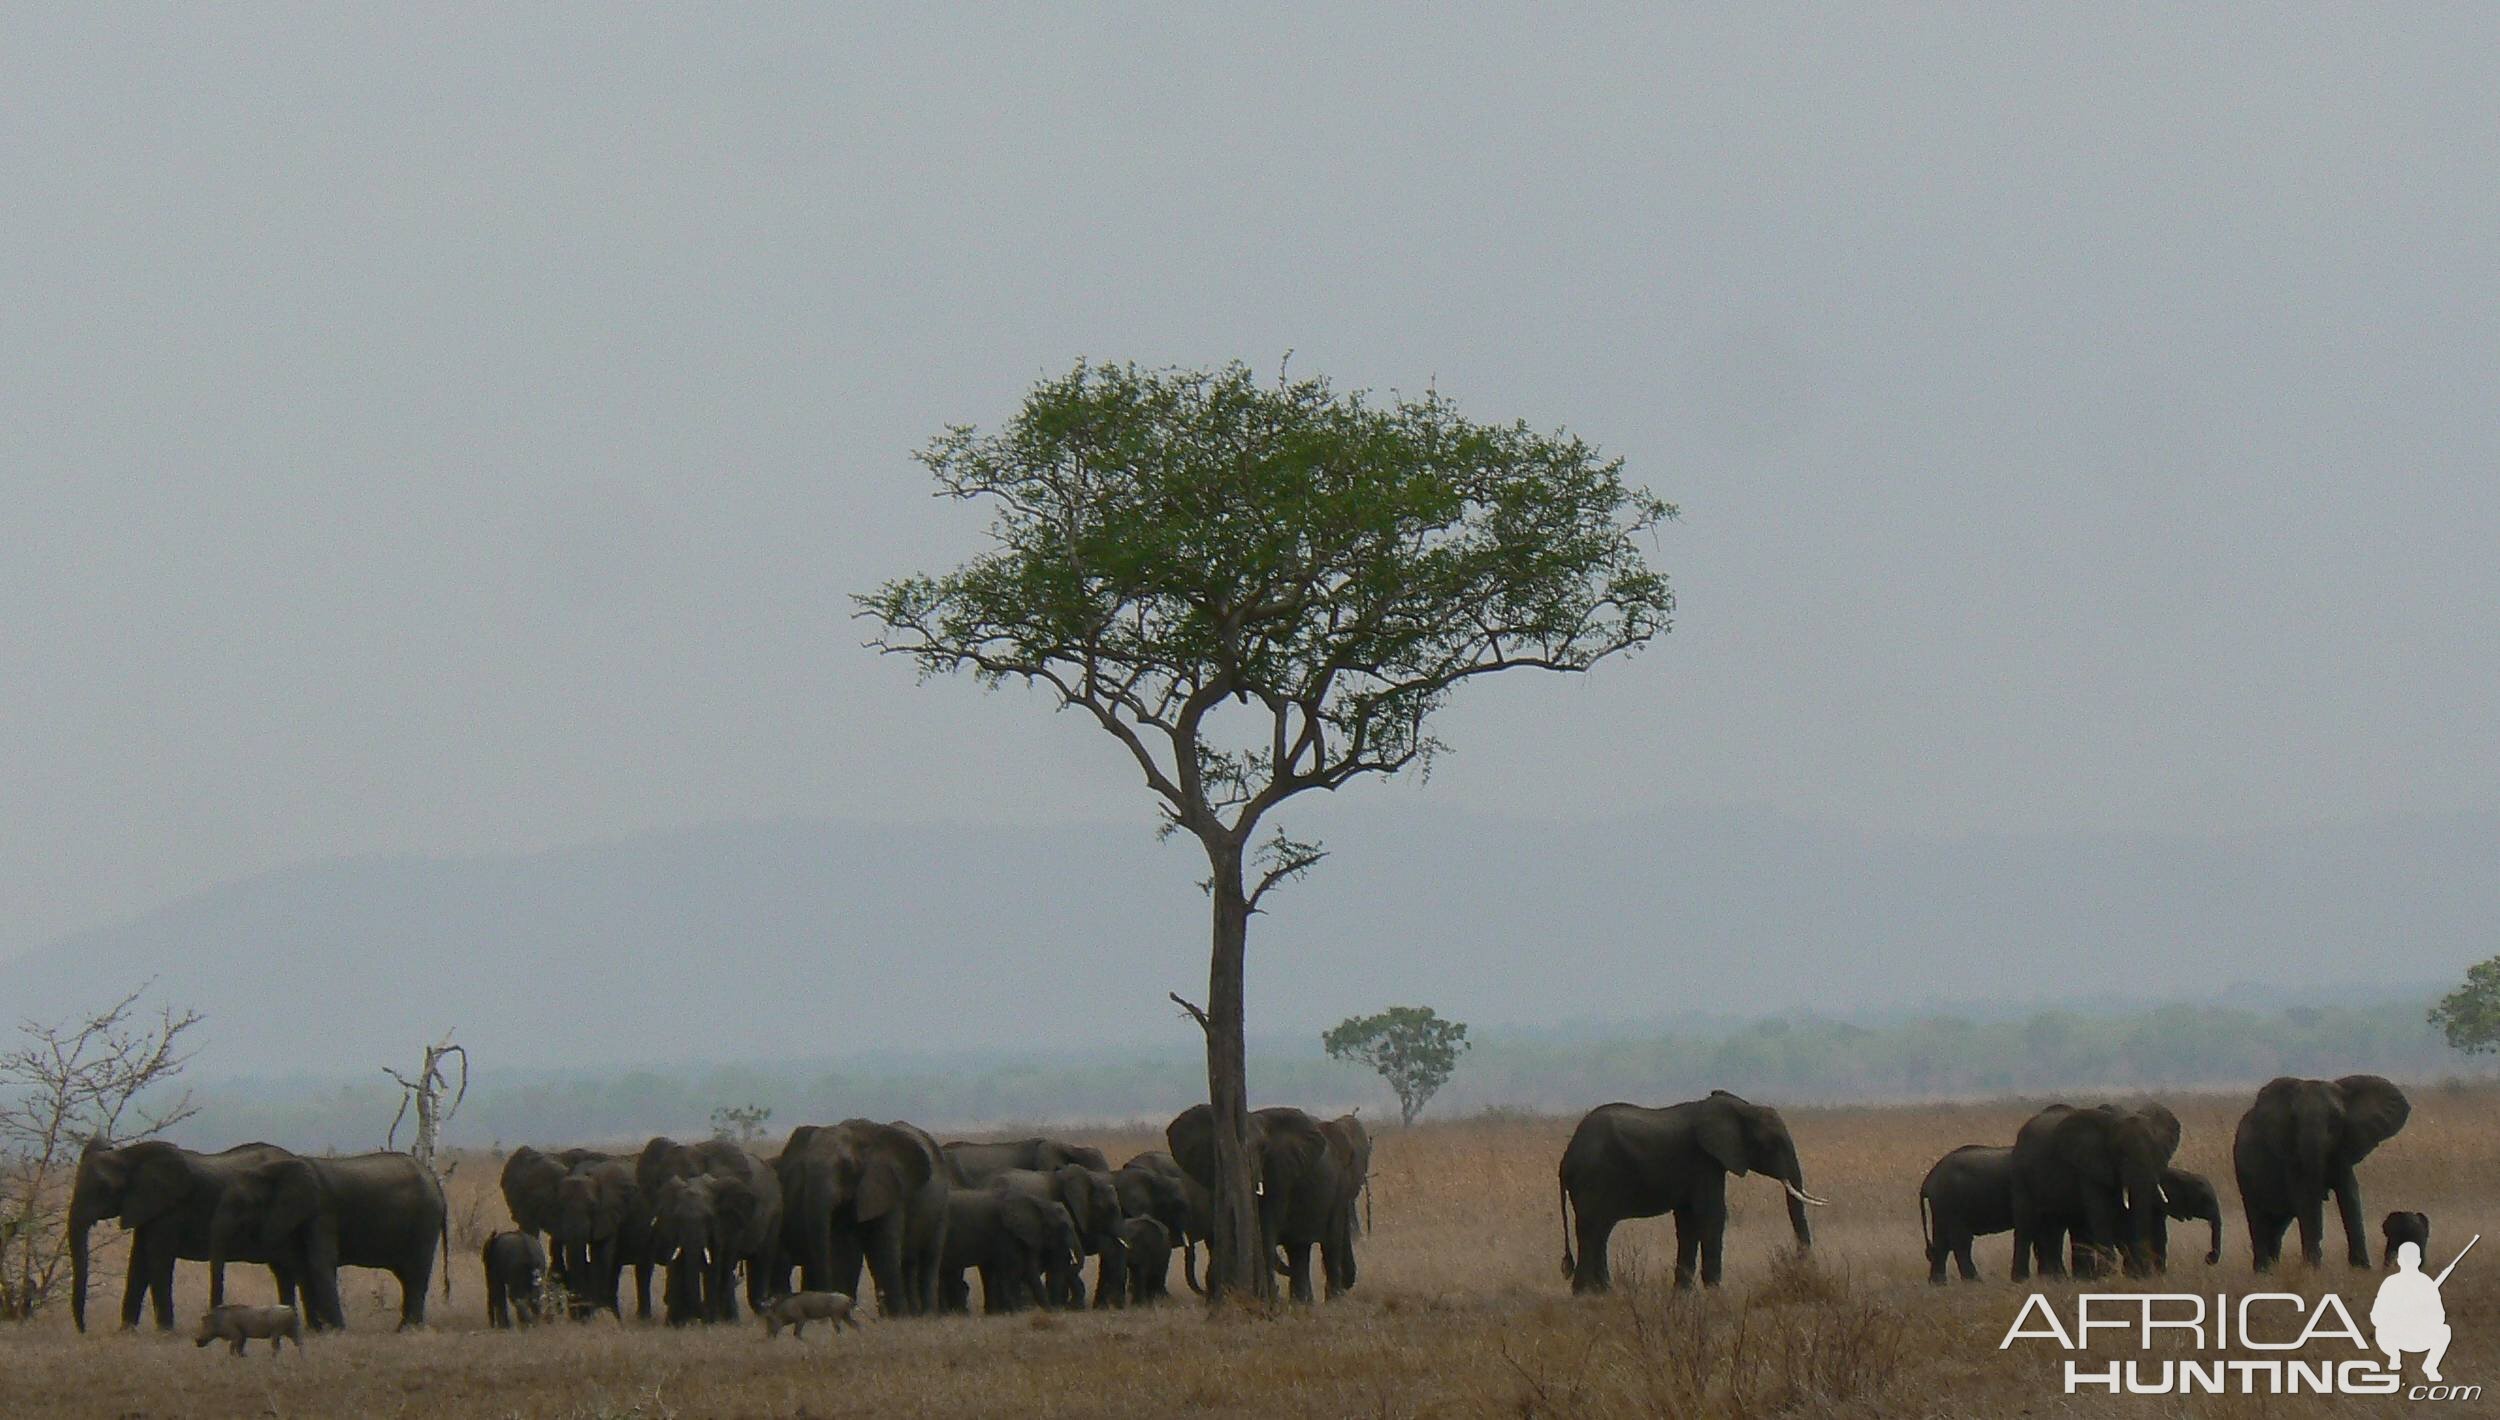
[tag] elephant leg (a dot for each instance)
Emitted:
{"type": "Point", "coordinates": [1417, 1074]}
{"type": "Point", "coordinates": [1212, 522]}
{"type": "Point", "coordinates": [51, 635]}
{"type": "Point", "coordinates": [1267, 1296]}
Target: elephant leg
{"type": "Point", "coordinates": [160, 1284]}
{"type": "Point", "coordinates": [1962, 1256]}
{"type": "Point", "coordinates": [1939, 1247]}
{"type": "Point", "coordinates": [1298, 1269]}
{"type": "Point", "coordinates": [642, 1290]}
{"type": "Point", "coordinates": [1592, 1273]}
{"type": "Point", "coordinates": [2265, 1238]}
{"type": "Point", "coordinates": [841, 1265]}
{"type": "Point", "coordinates": [885, 1269]}
{"type": "Point", "coordinates": [1687, 1248]}
{"type": "Point", "coordinates": [2312, 1219]}
{"type": "Point", "coordinates": [412, 1295]}
{"type": "Point", "coordinates": [1713, 1242]}
{"type": "Point", "coordinates": [216, 1285]}
{"type": "Point", "coordinates": [2348, 1202]}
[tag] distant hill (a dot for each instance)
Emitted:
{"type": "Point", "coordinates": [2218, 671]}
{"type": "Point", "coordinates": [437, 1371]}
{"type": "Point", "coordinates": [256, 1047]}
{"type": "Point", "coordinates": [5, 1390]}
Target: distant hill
{"type": "Point", "coordinates": [921, 945]}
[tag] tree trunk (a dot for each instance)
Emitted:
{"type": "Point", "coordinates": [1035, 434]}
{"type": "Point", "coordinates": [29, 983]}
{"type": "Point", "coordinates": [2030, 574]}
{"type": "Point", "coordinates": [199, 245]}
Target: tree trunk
{"type": "Point", "coordinates": [1235, 1257]}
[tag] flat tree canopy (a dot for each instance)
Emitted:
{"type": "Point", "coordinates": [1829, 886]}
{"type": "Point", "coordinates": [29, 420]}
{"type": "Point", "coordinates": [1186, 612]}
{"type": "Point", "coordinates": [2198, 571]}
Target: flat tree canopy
{"type": "Point", "coordinates": [1167, 543]}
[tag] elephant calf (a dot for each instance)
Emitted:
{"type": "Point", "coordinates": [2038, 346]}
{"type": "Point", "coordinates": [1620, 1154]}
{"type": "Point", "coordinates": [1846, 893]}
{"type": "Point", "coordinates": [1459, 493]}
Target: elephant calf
{"type": "Point", "coordinates": [1149, 1246]}
{"type": "Point", "coordinates": [241, 1325]}
{"type": "Point", "coordinates": [796, 1309]}
{"type": "Point", "coordinates": [516, 1270]}
{"type": "Point", "coordinates": [2402, 1228]}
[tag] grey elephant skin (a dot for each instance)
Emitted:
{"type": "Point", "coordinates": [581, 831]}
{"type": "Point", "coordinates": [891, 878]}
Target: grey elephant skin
{"type": "Point", "coordinates": [859, 1192]}
{"type": "Point", "coordinates": [1153, 1185]}
{"type": "Point", "coordinates": [714, 1206]}
{"type": "Point", "coordinates": [167, 1197]}
{"type": "Point", "coordinates": [515, 1265]}
{"type": "Point", "coordinates": [2189, 1197]}
{"type": "Point", "coordinates": [1969, 1194]}
{"type": "Point", "coordinates": [317, 1215]}
{"type": "Point", "coordinates": [2095, 1174]}
{"type": "Point", "coordinates": [590, 1206]}
{"type": "Point", "coordinates": [1309, 1173]}
{"type": "Point", "coordinates": [1024, 1246]}
{"type": "Point", "coordinates": [1631, 1161]}
{"type": "Point", "coordinates": [2300, 1142]}
{"type": "Point", "coordinates": [1149, 1246]}
{"type": "Point", "coordinates": [971, 1165]}
{"type": "Point", "coordinates": [1092, 1201]}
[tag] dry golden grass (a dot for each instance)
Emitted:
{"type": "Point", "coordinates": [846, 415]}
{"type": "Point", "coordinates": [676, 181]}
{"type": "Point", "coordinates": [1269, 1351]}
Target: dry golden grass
{"type": "Point", "coordinates": [1461, 1312]}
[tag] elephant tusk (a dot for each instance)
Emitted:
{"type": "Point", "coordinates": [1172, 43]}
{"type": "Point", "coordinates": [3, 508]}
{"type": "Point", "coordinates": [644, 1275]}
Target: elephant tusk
{"type": "Point", "coordinates": [1804, 1197]}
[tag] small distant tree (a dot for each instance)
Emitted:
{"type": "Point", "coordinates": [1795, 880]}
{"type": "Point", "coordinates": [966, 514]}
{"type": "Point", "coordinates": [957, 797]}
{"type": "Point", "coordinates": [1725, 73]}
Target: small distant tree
{"type": "Point", "coordinates": [1410, 1047]}
{"type": "Point", "coordinates": [2470, 1015]}
{"type": "Point", "coordinates": [90, 1077]}
{"type": "Point", "coordinates": [431, 1094]}
{"type": "Point", "coordinates": [740, 1124]}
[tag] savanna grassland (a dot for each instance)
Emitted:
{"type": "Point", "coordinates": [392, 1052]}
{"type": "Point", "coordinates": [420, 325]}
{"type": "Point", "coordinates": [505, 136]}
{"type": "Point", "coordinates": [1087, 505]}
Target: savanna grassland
{"type": "Point", "coordinates": [1460, 1311]}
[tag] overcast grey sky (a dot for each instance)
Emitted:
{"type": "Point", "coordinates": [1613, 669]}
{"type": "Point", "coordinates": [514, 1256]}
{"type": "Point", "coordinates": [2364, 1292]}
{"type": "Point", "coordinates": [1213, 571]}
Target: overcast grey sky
{"type": "Point", "coordinates": [459, 429]}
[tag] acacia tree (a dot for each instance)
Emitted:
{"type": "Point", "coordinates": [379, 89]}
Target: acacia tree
{"type": "Point", "coordinates": [2470, 1015]}
{"type": "Point", "coordinates": [1263, 589]}
{"type": "Point", "coordinates": [1411, 1047]}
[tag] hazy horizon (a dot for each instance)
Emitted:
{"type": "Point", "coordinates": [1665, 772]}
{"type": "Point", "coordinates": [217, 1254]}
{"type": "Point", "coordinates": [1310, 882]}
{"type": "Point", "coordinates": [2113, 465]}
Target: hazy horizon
{"type": "Point", "coordinates": [457, 433]}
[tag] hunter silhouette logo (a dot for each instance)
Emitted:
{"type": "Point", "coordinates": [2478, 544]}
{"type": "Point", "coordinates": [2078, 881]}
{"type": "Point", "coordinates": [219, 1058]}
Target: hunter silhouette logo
{"type": "Point", "coordinates": [2301, 1345]}
{"type": "Point", "coordinates": [2409, 1316]}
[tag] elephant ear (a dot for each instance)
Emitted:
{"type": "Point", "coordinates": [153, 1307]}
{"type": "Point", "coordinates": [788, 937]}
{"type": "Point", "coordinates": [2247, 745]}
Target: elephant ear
{"type": "Point", "coordinates": [656, 1164]}
{"type": "Point", "coordinates": [2374, 1109]}
{"type": "Point", "coordinates": [294, 1192]}
{"type": "Point", "coordinates": [1025, 1220]}
{"type": "Point", "coordinates": [156, 1186]}
{"type": "Point", "coordinates": [1721, 1133]}
{"type": "Point", "coordinates": [1192, 1137]}
{"type": "Point", "coordinates": [2163, 1126]}
{"type": "Point", "coordinates": [893, 1166]}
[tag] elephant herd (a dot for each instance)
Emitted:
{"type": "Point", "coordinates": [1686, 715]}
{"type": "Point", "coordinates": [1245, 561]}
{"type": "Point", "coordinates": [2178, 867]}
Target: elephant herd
{"type": "Point", "coordinates": [713, 1218]}
{"type": "Point", "coordinates": [2098, 1184]}
{"type": "Point", "coordinates": [923, 1217]}
{"type": "Point", "coordinates": [2094, 1183]}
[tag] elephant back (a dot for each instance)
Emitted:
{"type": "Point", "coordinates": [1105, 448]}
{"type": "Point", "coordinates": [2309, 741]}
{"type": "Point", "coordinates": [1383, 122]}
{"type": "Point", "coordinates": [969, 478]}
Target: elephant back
{"type": "Point", "coordinates": [385, 1205]}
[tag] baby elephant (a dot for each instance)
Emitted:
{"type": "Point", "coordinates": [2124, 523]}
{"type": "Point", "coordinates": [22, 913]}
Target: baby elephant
{"type": "Point", "coordinates": [1149, 1260]}
{"type": "Point", "coordinates": [242, 1324]}
{"type": "Point", "coordinates": [796, 1309]}
{"type": "Point", "coordinates": [516, 1269]}
{"type": "Point", "coordinates": [2402, 1228]}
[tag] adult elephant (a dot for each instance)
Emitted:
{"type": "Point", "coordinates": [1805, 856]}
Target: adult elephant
{"type": "Point", "coordinates": [595, 1218]}
{"type": "Point", "coordinates": [166, 1197]}
{"type": "Point", "coordinates": [1093, 1203]}
{"type": "Point", "coordinates": [1025, 1248]}
{"type": "Point", "coordinates": [2301, 1141]}
{"type": "Point", "coordinates": [1308, 1180]}
{"type": "Point", "coordinates": [2189, 1197]}
{"type": "Point", "coordinates": [861, 1191]}
{"type": "Point", "coordinates": [1631, 1161]}
{"type": "Point", "coordinates": [970, 1165]}
{"type": "Point", "coordinates": [715, 1206]}
{"type": "Point", "coordinates": [1154, 1185]}
{"type": "Point", "coordinates": [2093, 1174]}
{"type": "Point", "coordinates": [315, 1216]}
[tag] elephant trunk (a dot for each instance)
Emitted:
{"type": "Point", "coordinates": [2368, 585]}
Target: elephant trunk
{"type": "Point", "coordinates": [2141, 1220]}
{"type": "Point", "coordinates": [2213, 1218]}
{"type": "Point", "coordinates": [78, 1269]}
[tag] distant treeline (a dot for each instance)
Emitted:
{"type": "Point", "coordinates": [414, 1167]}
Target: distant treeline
{"type": "Point", "coordinates": [1789, 1061]}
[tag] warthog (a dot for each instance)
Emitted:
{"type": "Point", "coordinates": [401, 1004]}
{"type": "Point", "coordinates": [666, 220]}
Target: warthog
{"type": "Point", "coordinates": [241, 1325]}
{"type": "Point", "coordinates": [796, 1309]}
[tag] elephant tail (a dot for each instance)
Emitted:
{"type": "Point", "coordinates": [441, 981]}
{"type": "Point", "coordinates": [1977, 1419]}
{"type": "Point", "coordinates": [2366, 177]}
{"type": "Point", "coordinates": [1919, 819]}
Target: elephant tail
{"type": "Point", "coordinates": [1926, 1223]}
{"type": "Point", "coordinates": [1570, 1268]}
{"type": "Point", "coordinates": [445, 1238]}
